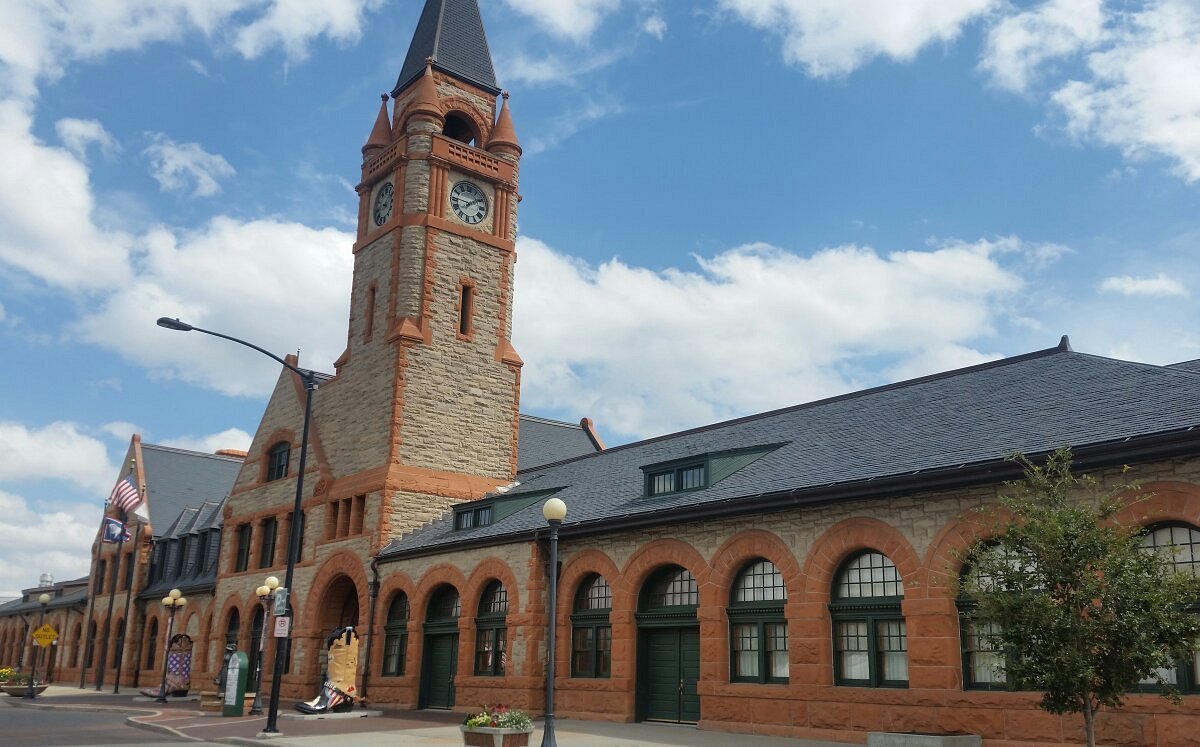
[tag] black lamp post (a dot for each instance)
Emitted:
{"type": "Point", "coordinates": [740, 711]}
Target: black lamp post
{"type": "Point", "coordinates": [554, 510]}
{"type": "Point", "coordinates": [266, 595]}
{"type": "Point", "coordinates": [30, 694]}
{"type": "Point", "coordinates": [283, 645]}
{"type": "Point", "coordinates": [172, 603]}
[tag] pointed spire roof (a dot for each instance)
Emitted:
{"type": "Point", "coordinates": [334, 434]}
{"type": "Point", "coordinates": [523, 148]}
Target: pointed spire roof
{"type": "Point", "coordinates": [451, 32]}
{"type": "Point", "coordinates": [503, 134]}
{"type": "Point", "coordinates": [381, 134]}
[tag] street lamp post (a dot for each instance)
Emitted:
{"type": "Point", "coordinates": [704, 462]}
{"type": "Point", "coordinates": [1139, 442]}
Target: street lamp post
{"type": "Point", "coordinates": [172, 603]}
{"type": "Point", "coordinates": [266, 595]}
{"type": "Point", "coordinates": [309, 378]}
{"type": "Point", "coordinates": [554, 510]}
{"type": "Point", "coordinates": [30, 694]}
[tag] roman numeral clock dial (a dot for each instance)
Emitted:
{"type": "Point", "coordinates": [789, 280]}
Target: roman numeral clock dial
{"type": "Point", "coordinates": [469, 202]}
{"type": "Point", "coordinates": [383, 204]}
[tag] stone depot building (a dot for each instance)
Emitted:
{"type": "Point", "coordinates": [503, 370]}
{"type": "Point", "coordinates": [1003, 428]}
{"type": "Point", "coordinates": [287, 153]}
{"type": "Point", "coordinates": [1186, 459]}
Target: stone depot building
{"type": "Point", "coordinates": [786, 573]}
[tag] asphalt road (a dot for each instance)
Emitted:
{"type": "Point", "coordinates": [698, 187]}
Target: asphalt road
{"type": "Point", "coordinates": [36, 727]}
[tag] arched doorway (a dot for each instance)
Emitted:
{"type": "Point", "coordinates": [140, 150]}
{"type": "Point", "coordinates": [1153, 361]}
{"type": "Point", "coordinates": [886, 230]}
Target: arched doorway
{"type": "Point", "coordinates": [668, 647]}
{"type": "Point", "coordinates": [340, 606]}
{"type": "Point", "coordinates": [439, 665]}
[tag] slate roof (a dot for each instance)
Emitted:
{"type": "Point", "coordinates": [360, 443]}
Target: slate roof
{"type": "Point", "coordinates": [451, 32]}
{"type": "Point", "coordinates": [541, 441]}
{"type": "Point", "coordinates": [1192, 365]}
{"type": "Point", "coordinates": [177, 479]}
{"type": "Point", "coordinates": [950, 425]}
{"type": "Point", "coordinates": [64, 594]}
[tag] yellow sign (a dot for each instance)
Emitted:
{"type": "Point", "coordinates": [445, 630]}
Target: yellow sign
{"type": "Point", "coordinates": [45, 635]}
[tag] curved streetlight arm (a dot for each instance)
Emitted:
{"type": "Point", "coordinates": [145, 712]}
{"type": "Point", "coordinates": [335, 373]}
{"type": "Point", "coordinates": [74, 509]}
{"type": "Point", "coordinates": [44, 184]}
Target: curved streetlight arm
{"type": "Point", "coordinates": [169, 323]}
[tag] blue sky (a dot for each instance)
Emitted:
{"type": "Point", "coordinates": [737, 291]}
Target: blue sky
{"type": "Point", "coordinates": [729, 206]}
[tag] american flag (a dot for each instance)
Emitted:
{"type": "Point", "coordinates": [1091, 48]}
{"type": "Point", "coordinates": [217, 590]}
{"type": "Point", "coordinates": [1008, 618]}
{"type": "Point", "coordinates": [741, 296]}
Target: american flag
{"type": "Point", "coordinates": [124, 494]}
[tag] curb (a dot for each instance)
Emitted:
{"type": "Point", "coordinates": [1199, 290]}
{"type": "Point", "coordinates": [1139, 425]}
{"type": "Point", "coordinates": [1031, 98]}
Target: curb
{"type": "Point", "coordinates": [86, 708]}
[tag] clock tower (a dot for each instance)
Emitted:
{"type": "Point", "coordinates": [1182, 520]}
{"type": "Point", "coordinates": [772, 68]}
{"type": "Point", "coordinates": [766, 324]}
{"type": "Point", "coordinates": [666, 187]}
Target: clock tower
{"type": "Point", "coordinates": [434, 376]}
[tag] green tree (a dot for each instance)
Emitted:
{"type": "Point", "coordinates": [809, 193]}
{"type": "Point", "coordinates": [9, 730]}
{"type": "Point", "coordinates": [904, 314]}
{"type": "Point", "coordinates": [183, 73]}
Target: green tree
{"type": "Point", "coordinates": [1083, 611]}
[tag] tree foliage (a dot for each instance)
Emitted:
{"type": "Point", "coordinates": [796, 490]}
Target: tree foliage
{"type": "Point", "coordinates": [1084, 611]}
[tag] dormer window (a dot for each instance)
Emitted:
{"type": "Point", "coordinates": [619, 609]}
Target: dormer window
{"type": "Point", "coordinates": [700, 471]}
{"type": "Point", "coordinates": [469, 518]}
{"type": "Point", "coordinates": [676, 479]}
{"type": "Point", "coordinates": [277, 460]}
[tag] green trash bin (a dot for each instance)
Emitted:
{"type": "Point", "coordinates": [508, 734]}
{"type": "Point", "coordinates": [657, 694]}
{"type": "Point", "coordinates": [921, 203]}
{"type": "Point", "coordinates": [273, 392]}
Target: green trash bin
{"type": "Point", "coordinates": [236, 678]}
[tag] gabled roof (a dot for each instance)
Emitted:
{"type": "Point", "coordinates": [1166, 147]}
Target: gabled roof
{"type": "Point", "coordinates": [177, 479]}
{"type": "Point", "coordinates": [945, 430]}
{"type": "Point", "coordinates": [1192, 365]}
{"type": "Point", "coordinates": [451, 32]}
{"type": "Point", "coordinates": [541, 441]}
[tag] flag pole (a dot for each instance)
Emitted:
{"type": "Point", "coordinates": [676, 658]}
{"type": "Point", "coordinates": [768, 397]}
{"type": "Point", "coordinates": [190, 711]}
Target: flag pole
{"type": "Point", "coordinates": [137, 536]}
{"type": "Point", "coordinates": [112, 598]}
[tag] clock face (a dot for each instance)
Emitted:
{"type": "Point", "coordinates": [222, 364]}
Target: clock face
{"type": "Point", "coordinates": [383, 204]}
{"type": "Point", "coordinates": [469, 202]}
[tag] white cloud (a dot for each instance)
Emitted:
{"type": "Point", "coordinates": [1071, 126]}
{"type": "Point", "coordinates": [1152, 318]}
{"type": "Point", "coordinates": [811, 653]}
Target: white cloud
{"type": "Point", "coordinates": [59, 450]}
{"type": "Point", "coordinates": [180, 166]}
{"type": "Point", "coordinates": [568, 123]}
{"type": "Point", "coordinates": [749, 329]}
{"type": "Point", "coordinates": [1158, 285]}
{"type": "Point", "coordinates": [834, 37]}
{"type": "Point", "coordinates": [47, 210]}
{"type": "Point", "coordinates": [38, 40]}
{"type": "Point", "coordinates": [121, 430]}
{"type": "Point", "coordinates": [573, 19]}
{"type": "Point", "coordinates": [1019, 44]}
{"type": "Point", "coordinates": [25, 552]}
{"type": "Point", "coordinates": [78, 134]}
{"type": "Point", "coordinates": [291, 24]}
{"type": "Point", "coordinates": [1144, 93]}
{"type": "Point", "coordinates": [655, 26]}
{"type": "Point", "coordinates": [239, 278]}
{"type": "Point", "coordinates": [231, 438]}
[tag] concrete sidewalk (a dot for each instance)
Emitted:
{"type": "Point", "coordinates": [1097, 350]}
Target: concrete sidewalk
{"type": "Point", "coordinates": [183, 719]}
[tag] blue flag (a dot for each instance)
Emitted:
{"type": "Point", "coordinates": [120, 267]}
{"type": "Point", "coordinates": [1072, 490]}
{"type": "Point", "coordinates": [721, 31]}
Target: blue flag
{"type": "Point", "coordinates": [114, 531]}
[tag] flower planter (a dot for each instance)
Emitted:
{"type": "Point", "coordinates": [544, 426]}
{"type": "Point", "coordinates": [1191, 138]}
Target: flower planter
{"type": "Point", "coordinates": [488, 736]}
{"type": "Point", "coordinates": [18, 691]}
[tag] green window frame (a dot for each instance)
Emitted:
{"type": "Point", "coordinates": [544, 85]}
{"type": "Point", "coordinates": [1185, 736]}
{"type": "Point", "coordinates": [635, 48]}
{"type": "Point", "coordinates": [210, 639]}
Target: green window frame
{"type": "Point", "coordinates": [758, 637]}
{"type": "Point", "coordinates": [1181, 541]}
{"type": "Point", "coordinates": [471, 518]}
{"type": "Point", "coordinates": [678, 479]}
{"type": "Point", "coordinates": [395, 636]}
{"type": "Point", "coordinates": [870, 637]}
{"type": "Point", "coordinates": [591, 631]}
{"type": "Point", "coordinates": [491, 631]}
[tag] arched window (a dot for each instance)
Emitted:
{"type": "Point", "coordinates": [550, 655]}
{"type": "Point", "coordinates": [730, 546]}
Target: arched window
{"type": "Point", "coordinates": [591, 633]}
{"type": "Point", "coordinates": [982, 650]}
{"type": "Point", "coordinates": [490, 631]}
{"type": "Point", "coordinates": [90, 651]}
{"type": "Point", "coordinates": [870, 643]}
{"type": "Point", "coordinates": [151, 643]}
{"type": "Point", "coordinates": [1181, 543]}
{"type": "Point", "coordinates": [77, 638]}
{"type": "Point", "coordinates": [257, 620]}
{"type": "Point", "coordinates": [672, 587]}
{"type": "Point", "coordinates": [395, 636]}
{"type": "Point", "coordinates": [460, 127]}
{"type": "Point", "coordinates": [277, 460]}
{"type": "Point", "coordinates": [757, 629]}
{"type": "Point", "coordinates": [231, 628]}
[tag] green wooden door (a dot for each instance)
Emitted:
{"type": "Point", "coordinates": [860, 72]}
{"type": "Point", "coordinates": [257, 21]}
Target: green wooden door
{"type": "Point", "coordinates": [438, 670]}
{"type": "Point", "coordinates": [670, 670]}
